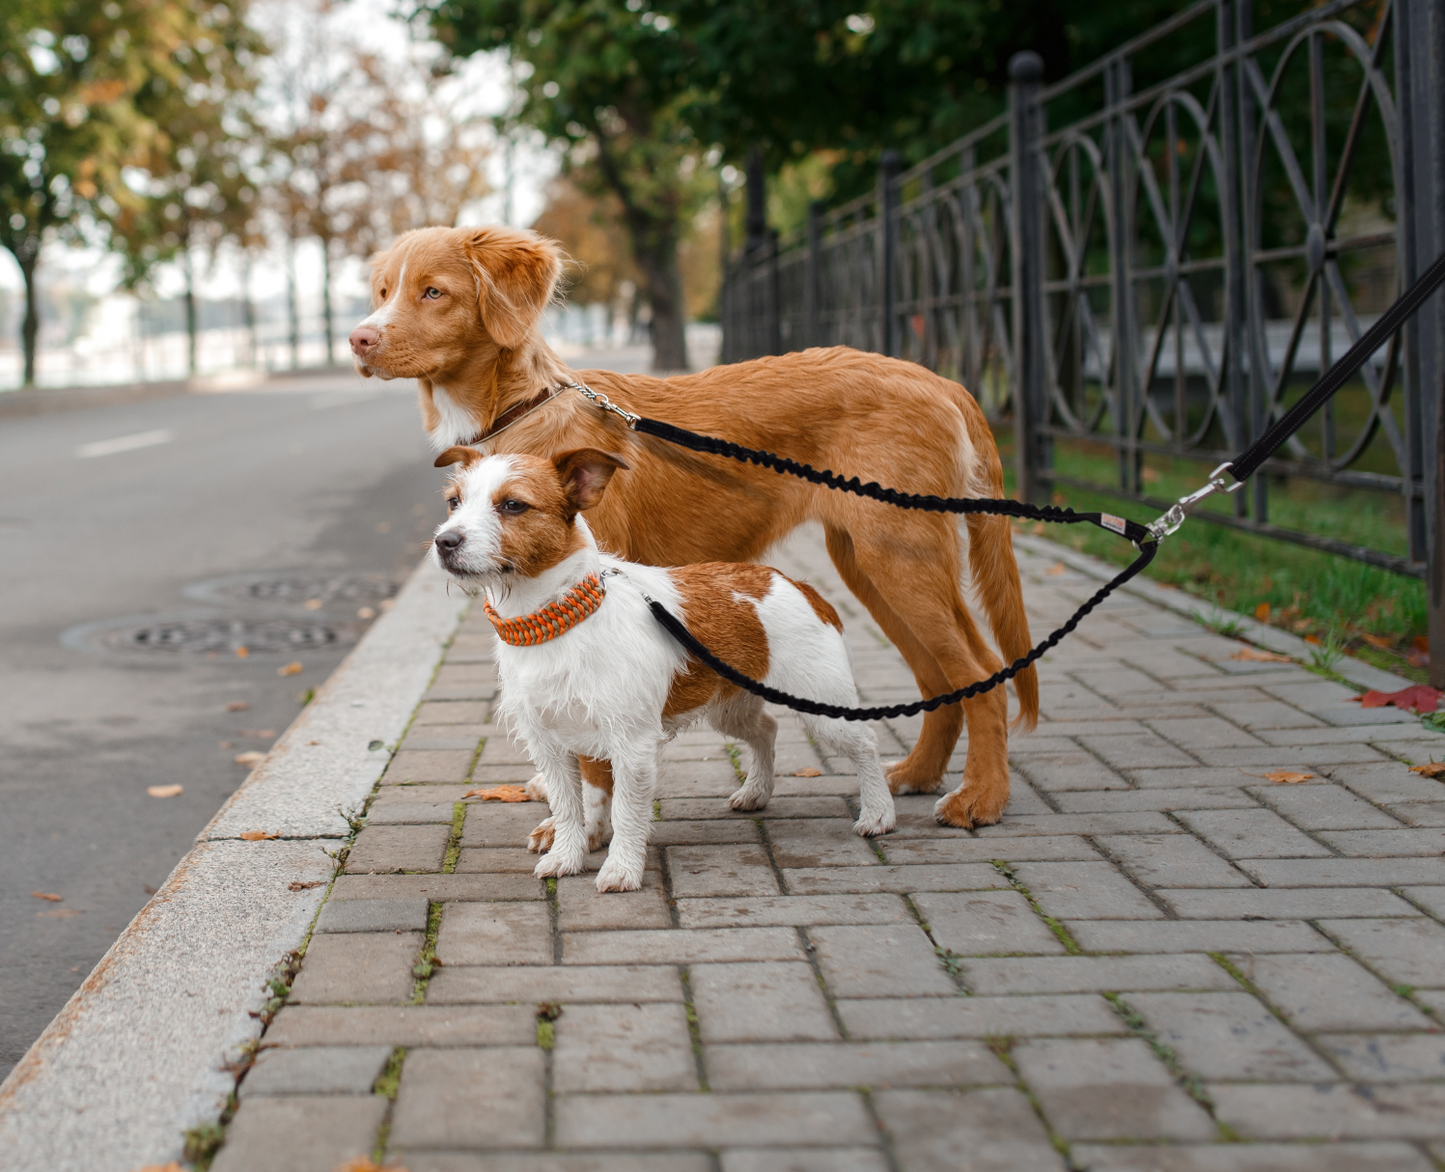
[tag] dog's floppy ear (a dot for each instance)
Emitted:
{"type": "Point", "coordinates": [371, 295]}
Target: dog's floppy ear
{"type": "Point", "coordinates": [466, 457]}
{"type": "Point", "coordinates": [516, 275]}
{"type": "Point", "coordinates": [584, 474]}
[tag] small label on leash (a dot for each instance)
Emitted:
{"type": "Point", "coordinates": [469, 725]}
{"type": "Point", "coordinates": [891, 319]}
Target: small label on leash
{"type": "Point", "coordinates": [1117, 524]}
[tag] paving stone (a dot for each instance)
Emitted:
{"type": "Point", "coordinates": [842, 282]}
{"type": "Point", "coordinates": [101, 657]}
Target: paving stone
{"type": "Point", "coordinates": [1199, 777]}
{"type": "Point", "coordinates": [569, 984]}
{"type": "Point", "coordinates": [879, 961]}
{"type": "Point", "coordinates": [701, 833]}
{"type": "Point", "coordinates": [839, 1065]}
{"type": "Point", "coordinates": [623, 1048]}
{"type": "Point", "coordinates": [1388, 1057]}
{"type": "Point", "coordinates": [1283, 903]}
{"type": "Point", "coordinates": [1140, 822]}
{"type": "Point", "coordinates": [581, 907]}
{"type": "Point", "coordinates": [987, 1130]}
{"type": "Point", "coordinates": [509, 773]}
{"type": "Point", "coordinates": [300, 1135]}
{"type": "Point", "coordinates": [1171, 860]}
{"type": "Point", "coordinates": [1265, 714]}
{"type": "Point", "coordinates": [316, 1070]}
{"type": "Point", "coordinates": [1041, 744]}
{"type": "Point", "coordinates": [795, 910]}
{"type": "Point", "coordinates": [1419, 813]}
{"type": "Point", "coordinates": [385, 849]}
{"type": "Point", "coordinates": [407, 914]}
{"type": "Point", "coordinates": [1329, 1112]}
{"type": "Point", "coordinates": [460, 738]}
{"type": "Point", "coordinates": [973, 850]}
{"type": "Point", "coordinates": [804, 1160]}
{"type": "Point", "coordinates": [498, 824]}
{"type": "Point", "coordinates": [1229, 1036]}
{"type": "Point", "coordinates": [437, 1105]}
{"type": "Point", "coordinates": [551, 1161]}
{"type": "Point", "coordinates": [1409, 951]}
{"type": "Point", "coordinates": [358, 968]}
{"type": "Point", "coordinates": [1208, 732]}
{"type": "Point", "coordinates": [438, 888]}
{"type": "Point", "coordinates": [1324, 807]}
{"type": "Point", "coordinates": [1386, 843]}
{"type": "Point", "coordinates": [451, 712]}
{"type": "Point", "coordinates": [421, 1025]}
{"type": "Point", "coordinates": [1216, 798]}
{"type": "Point", "coordinates": [760, 1002]}
{"type": "Point", "coordinates": [897, 879]}
{"type": "Point", "coordinates": [1072, 770]}
{"type": "Point", "coordinates": [1092, 891]}
{"type": "Point", "coordinates": [411, 813]}
{"type": "Point", "coordinates": [503, 749]}
{"type": "Point", "coordinates": [1108, 1088]}
{"type": "Point", "coordinates": [980, 1017]}
{"type": "Point", "coordinates": [1307, 760]}
{"type": "Point", "coordinates": [721, 870]}
{"type": "Point", "coordinates": [428, 765]}
{"type": "Point", "coordinates": [655, 1121]}
{"type": "Point", "coordinates": [1345, 872]}
{"type": "Point", "coordinates": [511, 858]}
{"type": "Point", "coordinates": [1386, 783]}
{"type": "Point", "coordinates": [1328, 991]}
{"type": "Point", "coordinates": [495, 934]}
{"type": "Point", "coordinates": [1335, 1157]}
{"type": "Point", "coordinates": [1252, 834]}
{"type": "Point", "coordinates": [1137, 752]}
{"type": "Point", "coordinates": [1432, 899]}
{"type": "Point", "coordinates": [681, 946]}
{"type": "Point", "coordinates": [1195, 936]}
{"type": "Point", "coordinates": [820, 842]}
{"type": "Point", "coordinates": [1083, 974]}
{"type": "Point", "coordinates": [987, 922]}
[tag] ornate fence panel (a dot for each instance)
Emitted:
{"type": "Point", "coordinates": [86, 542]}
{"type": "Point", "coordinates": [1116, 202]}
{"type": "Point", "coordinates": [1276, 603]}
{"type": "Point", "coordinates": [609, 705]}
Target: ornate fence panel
{"type": "Point", "coordinates": [1158, 254]}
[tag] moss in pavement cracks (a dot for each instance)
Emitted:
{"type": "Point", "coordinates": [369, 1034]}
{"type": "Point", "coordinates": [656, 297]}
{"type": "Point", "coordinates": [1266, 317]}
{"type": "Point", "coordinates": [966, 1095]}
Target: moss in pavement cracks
{"type": "Point", "coordinates": [389, 1079]}
{"type": "Point", "coordinates": [547, 1013]}
{"type": "Point", "coordinates": [454, 843]}
{"type": "Point", "coordinates": [1002, 1046]}
{"type": "Point", "coordinates": [427, 962]}
{"type": "Point", "coordinates": [1065, 937]}
{"type": "Point", "coordinates": [1192, 1084]}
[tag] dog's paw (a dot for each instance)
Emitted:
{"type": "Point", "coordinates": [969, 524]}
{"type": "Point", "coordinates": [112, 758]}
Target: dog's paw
{"type": "Point", "coordinates": [537, 789]}
{"type": "Point", "coordinates": [541, 839]}
{"type": "Point", "coordinates": [556, 863]}
{"type": "Point", "coordinates": [904, 779]}
{"type": "Point", "coordinates": [971, 805]}
{"type": "Point", "coordinates": [599, 836]}
{"type": "Point", "coordinates": [748, 798]}
{"type": "Point", "coordinates": [615, 876]}
{"type": "Point", "coordinates": [875, 822]}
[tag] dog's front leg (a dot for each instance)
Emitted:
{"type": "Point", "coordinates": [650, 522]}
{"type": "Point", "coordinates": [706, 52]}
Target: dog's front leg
{"type": "Point", "coordinates": [568, 855]}
{"type": "Point", "coordinates": [634, 780]}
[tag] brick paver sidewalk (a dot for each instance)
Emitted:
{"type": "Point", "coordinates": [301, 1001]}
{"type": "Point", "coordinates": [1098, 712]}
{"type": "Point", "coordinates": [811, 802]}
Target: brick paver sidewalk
{"type": "Point", "coordinates": [1159, 960]}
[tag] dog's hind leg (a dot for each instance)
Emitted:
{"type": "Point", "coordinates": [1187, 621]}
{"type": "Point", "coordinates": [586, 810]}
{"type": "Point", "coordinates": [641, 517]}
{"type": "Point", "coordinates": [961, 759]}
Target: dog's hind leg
{"type": "Point", "coordinates": [597, 796]}
{"type": "Point", "coordinates": [856, 741]}
{"type": "Point", "coordinates": [741, 715]}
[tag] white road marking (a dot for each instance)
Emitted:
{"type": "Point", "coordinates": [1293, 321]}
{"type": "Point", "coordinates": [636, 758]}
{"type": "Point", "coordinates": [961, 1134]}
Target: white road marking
{"type": "Point", "coordinates": [125, 443]}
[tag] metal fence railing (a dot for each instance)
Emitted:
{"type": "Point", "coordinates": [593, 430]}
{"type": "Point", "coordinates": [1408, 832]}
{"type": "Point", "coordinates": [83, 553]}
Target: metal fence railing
{"type": "Point", "coordinates": [1159, 253]}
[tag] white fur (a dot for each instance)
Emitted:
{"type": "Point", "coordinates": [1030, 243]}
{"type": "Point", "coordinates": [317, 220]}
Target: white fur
{"type": "Point", "coordinates": [381, 316]}
{"type": "Point", "coordinates": [599, 690]}
{"type": "Point", "coordinates": [455, 424]}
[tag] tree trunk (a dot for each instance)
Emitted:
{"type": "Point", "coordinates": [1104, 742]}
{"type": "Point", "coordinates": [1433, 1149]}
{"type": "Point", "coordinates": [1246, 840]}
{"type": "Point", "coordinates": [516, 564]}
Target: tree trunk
{"type": "Point", "coordinates": [326, 301]}
{"type": "Point", "coordinates": [31, 328]}
{"type": "Point", "coordinates": [664, 294]}
{"type": "Point", "coordinates": [291, 303]}
{"type": "Point", "coordinates": [190, 315]}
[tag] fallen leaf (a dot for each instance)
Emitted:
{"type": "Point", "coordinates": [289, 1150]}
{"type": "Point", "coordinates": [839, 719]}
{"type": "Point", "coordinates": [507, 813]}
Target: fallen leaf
{"type": "Point", "coordinates": [291, 669]}
{"type": "Point", "coordinates": [237, 706]}
{"type": "Point", "coordinates": [228, 744]}
{"type": "Point", "coordinates": [1256, 655]}
{"type": "Point", "coordinates": [1056, 569]}
{"type": "Point", "coordinates": [1261, 612]}
{"type": "Point", "coordinates": [1313, 639]}
{"type": "Point", "coordinates": [1419, 653]}
{"type": "Point", "coordinates": [242, 652]}
{"type": "Point", "coordinates": [254, 757]}
{"type": "Point", "coordinates": [499, 793]}
{"type": "Point", "coordinates": [1285, 777]}
{"type": "Point", "coordinates": [60, 913]}
{"type": "Point", "coordinates": [314, 604]}
{"type": "Point", "coordinates": [1384, 642]}
{"type": "Point", "coordinates": [46, 895]}
{"type": "Point", "coordinates": [809, 772]}
{"type": "Point", "coordinates": [165, 791]}
{"type": "Point", "coordinates": [1416, 698]}
{"type": "Point", "coordinates": [171, 1167]}
{"type": "Point", "coordinates": [149, 890]}
{"type": "Point", "coordinates": [299, 886]}
{"type": "Point", "coordinates": [365, 1164]}
{"type": "Point", "coordinates": [366, 613]}
{"type": "Point", "coordinates": [258, 732]}
{"type": "Point", "coordinates": [1429, 769]}
{"type": "Point", "coordinates": [257, 835]}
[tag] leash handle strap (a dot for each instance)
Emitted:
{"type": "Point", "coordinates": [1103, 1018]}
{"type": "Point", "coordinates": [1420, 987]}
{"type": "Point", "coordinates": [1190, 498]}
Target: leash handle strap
{"type": "Point", "coordinates": [679, 631]}
{"type": "Point", "coordinates": [1244, 466]}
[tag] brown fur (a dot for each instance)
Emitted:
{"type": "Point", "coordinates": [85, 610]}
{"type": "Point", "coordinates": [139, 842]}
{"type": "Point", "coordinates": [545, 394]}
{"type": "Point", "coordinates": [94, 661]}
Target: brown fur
{"type": "Point", "coordinates": [859, 414]}
{"type": "Point", "coordinates": [719, 620]}
{"type": "Point", "coordinates": [821, 606]}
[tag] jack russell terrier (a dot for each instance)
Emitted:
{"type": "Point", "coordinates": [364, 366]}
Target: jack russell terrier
{"type": "Point", "coordinates": [587, 671]}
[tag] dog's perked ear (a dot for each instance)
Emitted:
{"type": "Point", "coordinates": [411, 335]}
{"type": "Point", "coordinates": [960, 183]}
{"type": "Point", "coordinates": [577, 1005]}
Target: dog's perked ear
{"type": "Point", "coordinates": [464, 456]}
{"type": "Point", "coordinates": [584, 474]}
{"type": "Point", "coordinates": [517, 273]}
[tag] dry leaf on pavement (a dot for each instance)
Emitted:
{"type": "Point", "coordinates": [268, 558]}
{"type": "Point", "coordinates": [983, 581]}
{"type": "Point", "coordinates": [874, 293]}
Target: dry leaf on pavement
{"type": "Point", "coordinates": [1416, 698]}
{"type": "Point", "coordinates": [1429, 769]}
{"type": "Point", "coordinates": [809, 772]}
{"type": "Point", "coordinates": [237, 706]}
{"type": "Point", "coordinates": [291, 669]}
{"type": "Point", "coordinates": [171, 1167]}
{"type": "Point", "coordinates": [1256, 655]}
{"type": "Point", "coordinates": [165, 791]}
{"type": "Point", "coordinates": [1055, 570]}
{"type": "Point", "coordinates": [365, 1164]}
{"type": "Point", "coordinates": [257, 835]}
{"type": "Point", "coordinates": [46, 895]}
{"type": "Point", "coordinates": [258, 732]}
{"type": "Point", "coordinates": [1286, 777]}
{"type": "Point", "coordinates": [297, 885]}
{"type": "Point", "coordinates": [1261, 612]}
{"type": "Point", "coordinates": [242, 652]}
{"type": "Point", "coordinates": [254, 757]}
{"type": "Point", "coordinates": [499, 793]}
{"type": "Point", "coordinates": [60, 913]}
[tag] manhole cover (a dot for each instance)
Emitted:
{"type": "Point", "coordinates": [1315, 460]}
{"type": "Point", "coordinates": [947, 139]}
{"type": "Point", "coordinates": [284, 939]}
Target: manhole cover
{"type": "Point", "coordinates": [297, 588]}
{"type": "Point", "coordinates": [189, 635]}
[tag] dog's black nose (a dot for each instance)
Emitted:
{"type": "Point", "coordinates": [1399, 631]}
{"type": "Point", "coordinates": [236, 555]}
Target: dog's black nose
{"type": "Point", "coordinates": [450, 540]}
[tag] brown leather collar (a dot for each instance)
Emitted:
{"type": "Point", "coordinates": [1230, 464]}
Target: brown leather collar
{"type": "Point", "coordinates": [511, 415]}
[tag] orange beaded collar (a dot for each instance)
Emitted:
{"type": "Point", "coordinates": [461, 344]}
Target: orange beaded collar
{"type": "Point", "coordinates": [556, 618]}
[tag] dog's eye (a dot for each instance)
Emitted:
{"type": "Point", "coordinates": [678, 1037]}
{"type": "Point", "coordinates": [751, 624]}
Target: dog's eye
{"type": "Point", "coordinates": [453, 502]}
{"type": "Point", "coordinates": [382, 292]}
{"type": "Point", "coordinates": [514, 506]}
{"type": "Point", "coordinates": [432, 293]}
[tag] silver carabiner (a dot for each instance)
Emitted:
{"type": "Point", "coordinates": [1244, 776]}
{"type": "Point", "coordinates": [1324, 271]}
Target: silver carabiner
{"type": "Point", "coordinates": [1178, 513]}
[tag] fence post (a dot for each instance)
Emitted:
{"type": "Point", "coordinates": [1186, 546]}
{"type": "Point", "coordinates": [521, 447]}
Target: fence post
{"type": "Point", "coordinates": [1235, 320]}
{"type": "Point", "coordinates": [1025, 71]}
{"type": "Point", "coordinates": [889, 164]}
{"type": "Point", "coordinates": [1116, 90]}
{"type": "Point", "coordinates": [813, 291]}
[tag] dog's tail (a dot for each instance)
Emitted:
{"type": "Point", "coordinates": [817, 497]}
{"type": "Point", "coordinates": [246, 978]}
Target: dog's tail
{"type": "Point", "coordinates": [996, 572]}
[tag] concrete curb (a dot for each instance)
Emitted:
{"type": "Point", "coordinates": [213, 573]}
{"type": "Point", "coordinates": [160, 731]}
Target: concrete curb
{"type": "Point", "coordinates": [136, 1056]}
{"type": "Point", "coordinates": [1203, 613]}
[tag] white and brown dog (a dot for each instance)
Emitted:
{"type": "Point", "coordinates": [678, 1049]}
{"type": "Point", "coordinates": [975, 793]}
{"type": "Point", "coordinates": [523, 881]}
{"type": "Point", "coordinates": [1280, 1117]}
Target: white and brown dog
{"type": "Point", "coordinates": [586, 670]}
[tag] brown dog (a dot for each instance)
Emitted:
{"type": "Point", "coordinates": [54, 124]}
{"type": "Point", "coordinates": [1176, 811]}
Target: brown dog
{"type": "Point", "coordinates": [458, 309]}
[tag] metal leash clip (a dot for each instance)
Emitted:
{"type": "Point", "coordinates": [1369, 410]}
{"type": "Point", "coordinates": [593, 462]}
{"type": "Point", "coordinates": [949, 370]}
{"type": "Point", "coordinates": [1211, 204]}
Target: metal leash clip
{"type": "Point", "coordinates": [605, 403]}
{"type": "Point", "coordinates": [1179, 512]}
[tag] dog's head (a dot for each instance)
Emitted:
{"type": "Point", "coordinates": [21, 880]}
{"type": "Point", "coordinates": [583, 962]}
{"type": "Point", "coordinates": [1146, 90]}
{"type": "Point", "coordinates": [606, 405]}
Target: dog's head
{"type": "Point", "coordinates": [517, 515]}
{"type": "Point", "coordinates": [441, 297]}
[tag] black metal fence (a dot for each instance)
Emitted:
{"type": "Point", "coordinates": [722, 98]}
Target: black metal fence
{"type": "Point", "coordinates": [1159, 253]}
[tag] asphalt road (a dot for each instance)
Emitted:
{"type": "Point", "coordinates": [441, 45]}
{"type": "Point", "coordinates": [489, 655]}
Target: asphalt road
{"type": "Point", "coordinates": [319, 487]}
